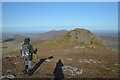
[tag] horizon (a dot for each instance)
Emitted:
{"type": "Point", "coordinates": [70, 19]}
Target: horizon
{"type": "Point", "coordinates": [38, 32]}
{"type": "Point", "coordinates": [45, 16]}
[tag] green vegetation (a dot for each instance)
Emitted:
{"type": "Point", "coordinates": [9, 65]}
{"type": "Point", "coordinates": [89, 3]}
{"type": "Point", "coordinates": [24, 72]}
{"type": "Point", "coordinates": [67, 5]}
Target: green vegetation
{"type": "Point", "coordinates": [98, 44]}
{"type": "Point", "coordinates": [76, 43]}
{"type": "Point", "coordinates": [64, 38]}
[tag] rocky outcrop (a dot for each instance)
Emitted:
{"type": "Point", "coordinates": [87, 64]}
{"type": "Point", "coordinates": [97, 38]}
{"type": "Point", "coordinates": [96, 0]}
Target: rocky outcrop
{"type": "Point", "coordinates": [72, 70]}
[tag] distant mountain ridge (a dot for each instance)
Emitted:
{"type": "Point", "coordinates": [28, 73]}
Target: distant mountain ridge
{"type": "Point", "coordinates": [34, 37]}
{"type": "Point", "coordinates": [51, 34]}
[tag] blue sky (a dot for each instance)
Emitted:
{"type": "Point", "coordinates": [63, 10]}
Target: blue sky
{"type": "Point", "coordinates": [45, 16]}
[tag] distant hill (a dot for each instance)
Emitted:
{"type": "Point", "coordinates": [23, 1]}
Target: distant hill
{"type": "Point", "coordinates": [111, 41]}
{"type": "Point", "coordinates": [51, 34]}
{"type": "Point", "coordinates": [77, 37]}
{"type": "Point", "coordinates": [13, 37]}
{"type": "Point", "coordinates": [35, 38]}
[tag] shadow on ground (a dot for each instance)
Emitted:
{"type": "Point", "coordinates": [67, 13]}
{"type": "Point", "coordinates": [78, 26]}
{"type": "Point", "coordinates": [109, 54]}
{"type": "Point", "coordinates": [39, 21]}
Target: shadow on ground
{"type": "Point", "coordinates": [37, 65]}
{"type": "Point", "coordinates": [58, 73]}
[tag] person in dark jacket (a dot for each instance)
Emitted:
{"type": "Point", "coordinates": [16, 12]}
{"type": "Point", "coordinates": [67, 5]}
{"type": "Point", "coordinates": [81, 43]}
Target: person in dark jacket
{"type": "Point", "coordinates": [27, 52]}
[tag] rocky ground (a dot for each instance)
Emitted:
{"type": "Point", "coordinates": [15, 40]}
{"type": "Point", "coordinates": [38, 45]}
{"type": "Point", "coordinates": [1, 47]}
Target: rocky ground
{"type": "Point", "coordinates": [77, 62]}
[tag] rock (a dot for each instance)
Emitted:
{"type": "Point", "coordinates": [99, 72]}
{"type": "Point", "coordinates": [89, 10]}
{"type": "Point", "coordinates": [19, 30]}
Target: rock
{"type": "Point", "coordinates": [78, 72]}
{"type": "Point", "coordinates": [116, 64]}
{"type": "Point", "coordinates": [69, 59]}
{"type": "Point", "coordinates": [113, 70]}
{"type": "Point", "coordinates": [92, 46]}
{"type": "Point", "coordinates": [99, 62]}
{"type": "Point", "coordinates": [113, 49]}
{"type": "Point", "coordinates": [8, 77]}
{"type": "Point", "coordinates": [72, 70]}
{"type": "Point", "coordinates": [77, 47]}
{"type": "Point", "coordinates": [89, 61]}
{"type": "Point", "coordinates": [82, 47]}
{"type": "Point", "coordinates": [9, 71]}
{"type": "Point", "coordinates": [15, 63]}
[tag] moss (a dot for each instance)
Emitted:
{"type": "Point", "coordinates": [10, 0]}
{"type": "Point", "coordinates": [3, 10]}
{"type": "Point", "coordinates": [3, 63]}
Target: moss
{"type": "Point", "coordinates": [98, 44]}
{"type": "Point", "coordinates": [74, 43]}
{"type": "Point", "coordinates": [77, 43]}
{"type": "Point", "coordinates": [82, 43]}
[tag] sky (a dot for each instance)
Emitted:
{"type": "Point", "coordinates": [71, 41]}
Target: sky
{"type": "Point", "coordinates": [45, 16]}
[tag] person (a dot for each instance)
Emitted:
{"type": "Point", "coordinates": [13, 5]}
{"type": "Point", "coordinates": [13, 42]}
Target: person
{"type": "Point", "coordinates": [27, 52]}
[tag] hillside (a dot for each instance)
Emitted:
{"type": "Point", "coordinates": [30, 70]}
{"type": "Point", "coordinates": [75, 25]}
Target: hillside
{"type": "Point", "coordinates": [77, 37]}
{"type": "Point", "coordinates": [79, 52]}
{"type": "Point", "coordinates": [51, 34]}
